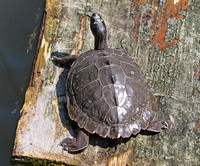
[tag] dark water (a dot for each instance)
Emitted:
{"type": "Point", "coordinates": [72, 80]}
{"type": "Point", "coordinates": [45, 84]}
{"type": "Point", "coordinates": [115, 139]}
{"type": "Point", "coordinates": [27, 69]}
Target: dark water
{"type": "Point", "coordinates": [19, 28]}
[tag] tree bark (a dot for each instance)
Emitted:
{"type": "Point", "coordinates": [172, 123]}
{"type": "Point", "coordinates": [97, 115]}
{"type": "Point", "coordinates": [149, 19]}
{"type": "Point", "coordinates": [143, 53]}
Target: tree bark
{"type": "Point", "coordinates": [162, 37]}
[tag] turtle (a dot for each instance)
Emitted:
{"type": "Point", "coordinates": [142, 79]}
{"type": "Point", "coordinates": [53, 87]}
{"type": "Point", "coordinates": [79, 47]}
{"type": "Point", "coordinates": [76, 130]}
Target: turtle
{"type": "Point", "coordinates": [107, 93]}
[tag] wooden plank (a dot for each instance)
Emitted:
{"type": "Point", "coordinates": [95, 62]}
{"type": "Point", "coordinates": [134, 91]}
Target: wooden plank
{"type": "Point", "coordinates": [162, 37]}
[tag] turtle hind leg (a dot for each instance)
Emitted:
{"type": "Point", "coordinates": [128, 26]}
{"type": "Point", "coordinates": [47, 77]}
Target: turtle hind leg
{"type": "Point", "coordinates": [63, 58]}
{"type": "Point", "coordinates": [157, 126]}
{"type": "Point", "coordinates": [76, 144]}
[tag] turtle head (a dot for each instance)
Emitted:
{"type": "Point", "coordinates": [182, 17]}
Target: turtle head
{"type": "Point", "coordinates": [98, 29]}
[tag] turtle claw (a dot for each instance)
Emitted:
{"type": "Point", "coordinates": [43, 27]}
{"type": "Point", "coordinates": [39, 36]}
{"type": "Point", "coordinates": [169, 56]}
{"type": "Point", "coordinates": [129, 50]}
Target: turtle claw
{"type": "Point", "coordinates": [76, 144]}
{"type": "Point", "coordinates": [63, 58]}
{"type": "Point", "coordinates": [157, 126]}
{"type": "Point", "coordinates": [69, 144]}
{"type": "Point", "coordinates": [51, 58]}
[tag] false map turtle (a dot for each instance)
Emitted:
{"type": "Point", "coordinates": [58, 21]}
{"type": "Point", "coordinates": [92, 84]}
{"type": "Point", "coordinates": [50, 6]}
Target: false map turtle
{"type": "Point", "coordinates": [107, 93]}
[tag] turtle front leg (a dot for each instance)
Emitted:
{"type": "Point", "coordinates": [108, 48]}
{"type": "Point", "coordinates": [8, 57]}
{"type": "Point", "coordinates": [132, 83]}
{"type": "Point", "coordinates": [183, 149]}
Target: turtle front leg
{"type": "Point", "coordinates": [76, 144]}
{"type": "Point", "coordinates": [63, 58]}
{"type": "Point", "coordinates": [157, 126]}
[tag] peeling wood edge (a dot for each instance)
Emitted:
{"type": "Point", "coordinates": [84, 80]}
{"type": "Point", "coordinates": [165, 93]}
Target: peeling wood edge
{"type": "Point", "coordinates": [38, 47]}
{"type": "Point", "coordinates": [43, 48]}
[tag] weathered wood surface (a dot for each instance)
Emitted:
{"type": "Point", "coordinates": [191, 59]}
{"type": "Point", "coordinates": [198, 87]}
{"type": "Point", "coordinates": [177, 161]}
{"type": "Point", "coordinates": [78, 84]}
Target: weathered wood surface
{"type": "Point", "coordinates": [163, 37]}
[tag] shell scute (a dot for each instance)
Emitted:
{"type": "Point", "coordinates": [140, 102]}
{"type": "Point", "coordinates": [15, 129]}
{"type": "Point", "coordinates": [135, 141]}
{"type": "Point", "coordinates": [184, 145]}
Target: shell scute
{"type": "Point", "coordinates": [103, 130]}
{"type": "Point", "coordinates": [111, 75]}
{"type": "Point", "coordinates": [88, 95]}
{"type": "Point", "coordinates": [91, 125]}
{"type": "Point", "coordinates": [148, 115]}
{"type": "Point", "coordinates": [73, 112]}
{"type": "Point", "coordinates": [114, 130]}
{"type": "Point", "coordinates": [111, 117]}
{"type": "Point", "coordinates": [82, 78]}
{"type": "Point", "coordinates": [109, 95]}
{"type": "Point", "coordinates": [82, 120]}
{"type": "Point", "coordinates": [98, 111]}
{"type": "Point", "coordinates": [118, 51]}
{"type": "Point", "coordinates": [124, 132]}
{"type": "Point", "coordinates": [142, 123]}
{"type": "Point", "coordinates": [106, 61]}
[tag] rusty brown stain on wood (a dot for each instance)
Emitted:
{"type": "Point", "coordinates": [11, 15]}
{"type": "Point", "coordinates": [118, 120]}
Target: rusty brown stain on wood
{"type": "Point", "coordinates": [123, 158]}
{"type": "Point", "coordinates": [195, 89]}
{"type": "Point", "coordinates": [156, 98]}
{"type": "Point", "coordinates": [153, 142]}
{"type": "Point", "coordinates": [196, 127]}
{"type": "Point", "coordinates": [78, 39]}
{"type": "Point", "coordinates": [160, 14]}
{"type": "Point", "coordinates": [168, 10]}
{"type": "Point", "coordinates": [197, 73]}
{"type": "Point", "coordinates": [136, 4]}
{"type": "Point", "coordinates": [136, 28]}
{"type": "Point", "coordinates": [171, 123]}
{"type": "Point", "coordinates": [196, 78]}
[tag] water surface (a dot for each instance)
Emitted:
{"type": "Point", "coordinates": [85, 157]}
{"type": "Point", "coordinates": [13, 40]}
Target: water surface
{"type": "Point", "coordinates": [19, 28]}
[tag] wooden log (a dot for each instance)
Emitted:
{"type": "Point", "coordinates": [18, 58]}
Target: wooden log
{"type": "Point", "coordinates": [162, 37]}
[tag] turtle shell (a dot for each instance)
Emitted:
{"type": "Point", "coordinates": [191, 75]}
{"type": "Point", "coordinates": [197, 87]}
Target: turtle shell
{"type": "Point", "coordinates": [108, 94]}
